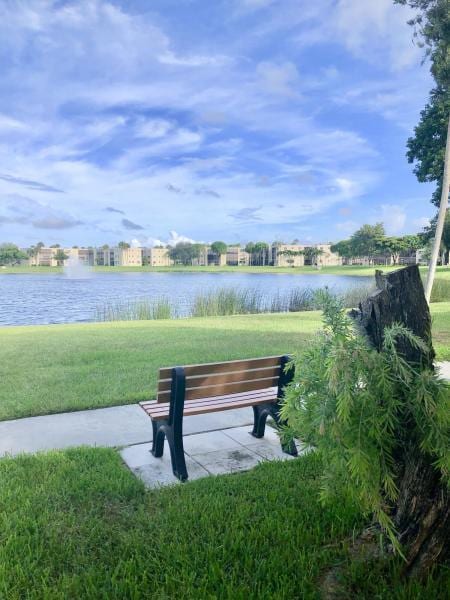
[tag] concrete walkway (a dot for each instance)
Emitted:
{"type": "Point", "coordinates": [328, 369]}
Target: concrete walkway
{"type": "Point", "coordinates": [111, 427]}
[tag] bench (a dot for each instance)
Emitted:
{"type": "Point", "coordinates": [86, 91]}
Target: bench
{"type": "Point", "coordinates": [213, 387]}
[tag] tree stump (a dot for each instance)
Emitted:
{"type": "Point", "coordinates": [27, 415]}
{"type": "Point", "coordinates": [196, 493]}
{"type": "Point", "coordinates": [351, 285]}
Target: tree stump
{"type": "Point", "coordinates": [422, 512]}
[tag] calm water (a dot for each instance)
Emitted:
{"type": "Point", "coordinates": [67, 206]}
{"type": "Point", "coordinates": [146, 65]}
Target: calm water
{"type": "Point", "coordinates": [56, 298]}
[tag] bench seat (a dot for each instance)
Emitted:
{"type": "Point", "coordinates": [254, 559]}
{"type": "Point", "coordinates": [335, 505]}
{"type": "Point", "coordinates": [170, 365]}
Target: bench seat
{"type": "Point", "coordinates": [201, 406]}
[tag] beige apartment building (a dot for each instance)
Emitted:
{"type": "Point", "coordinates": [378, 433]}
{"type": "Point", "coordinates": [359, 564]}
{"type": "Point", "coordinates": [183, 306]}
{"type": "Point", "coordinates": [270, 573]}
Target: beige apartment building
{"type": "Point", "coordinates": [236, 257]}
{"type": "Point", "coordinates": [84, 256]}
{"type": "Point", "coordinates": [327, 258]}
{"type": "Point", "coordinates": [118, 257]}
{"type": "Point", "coordinates": [287, 255]}
{"type": "Point", "coordinates": [280, 255]}
{"type": "Point", "coordinates": [130, 257]}
{"type": "Point", "coordinates": [45, 257]}
{"type": "Point", "coordinates": [157, 257]}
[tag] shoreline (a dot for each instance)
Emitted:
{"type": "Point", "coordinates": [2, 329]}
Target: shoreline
{"type": "Point", "coordinates": [352, 270]}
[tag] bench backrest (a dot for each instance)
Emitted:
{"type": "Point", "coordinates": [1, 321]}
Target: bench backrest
{"type": "Point", "coordinates": [231, 377]}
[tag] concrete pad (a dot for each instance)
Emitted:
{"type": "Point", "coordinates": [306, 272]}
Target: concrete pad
{"type": "Point", "coordinates": [233, 460]}
{"type": "Point", "coordinates": [158, 471]}
{"type": "Point", "coordinates": [208, 442]}
{"type": "Point", "coordinates": [269, 451]}
{"type": "Point", "coordinates": [243, 436]}
{"type": "Point", "coordinates": [137, 456]}
{"type": "Point", "coordinates": [110, 427]}
{"type": "Point", "coordinates": [444, 369]}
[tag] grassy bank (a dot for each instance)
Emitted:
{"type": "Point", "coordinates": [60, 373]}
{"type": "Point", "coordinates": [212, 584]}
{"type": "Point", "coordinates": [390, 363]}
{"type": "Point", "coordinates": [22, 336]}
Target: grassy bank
{"type": "Point", "coordinates": [341, 270]}
{"type": "Point", "coordinates": [48, 369]}
{"type": "Point", "coordinates": [77, 524]}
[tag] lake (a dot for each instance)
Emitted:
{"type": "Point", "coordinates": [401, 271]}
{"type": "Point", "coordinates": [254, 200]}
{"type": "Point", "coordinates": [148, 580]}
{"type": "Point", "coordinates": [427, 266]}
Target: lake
{"type": "Point", "coordinates": [28, 299]}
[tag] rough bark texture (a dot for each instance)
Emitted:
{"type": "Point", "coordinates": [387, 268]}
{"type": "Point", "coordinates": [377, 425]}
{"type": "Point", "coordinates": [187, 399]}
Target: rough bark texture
{"type": "Point", "coordinates": [422, 514]}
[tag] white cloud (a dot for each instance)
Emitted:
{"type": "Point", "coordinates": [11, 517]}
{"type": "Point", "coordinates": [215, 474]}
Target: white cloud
{"type": "Point", "coordinates": [8, 123]}
{"type": "Point", "coordinates": [347, 227]}
{"type": "Point", "coordinates": [153, 128]}
{"type": "Point", "coordinates": [394, 218]}
{"type": "Point", "coordinates": [173, 239]}
{"type": "Point", "coordinates": [278, 78]}
{"type": "Point", "coordinates": [370, 29]}
{"type": "Point", "coordinates": [170, 58]}
{"type": "Point", "coordinates": [421, 222]}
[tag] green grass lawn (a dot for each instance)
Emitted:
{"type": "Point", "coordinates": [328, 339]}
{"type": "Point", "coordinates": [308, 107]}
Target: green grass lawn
{"type": "Point", "coordinates": [78, 525]}
{"type": "Point", "coordinates": [56, 368]}
{"type": "Point", "coordinates": [441, 272]}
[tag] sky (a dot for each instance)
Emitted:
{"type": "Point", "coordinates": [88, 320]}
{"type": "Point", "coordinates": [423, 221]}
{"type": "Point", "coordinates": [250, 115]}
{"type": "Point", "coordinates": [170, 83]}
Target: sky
{"type": "Point", "coordinates": [165, 120]}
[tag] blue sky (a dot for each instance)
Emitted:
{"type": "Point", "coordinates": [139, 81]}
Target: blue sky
{"type": "Point", "coordinates": [162, 120]}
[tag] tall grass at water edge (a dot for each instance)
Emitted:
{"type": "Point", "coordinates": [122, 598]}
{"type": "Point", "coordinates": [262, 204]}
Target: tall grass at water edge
{"type": "Point", "coordinates": [226, 301]}
{"type": "Point", "coordinates": [136, 310]}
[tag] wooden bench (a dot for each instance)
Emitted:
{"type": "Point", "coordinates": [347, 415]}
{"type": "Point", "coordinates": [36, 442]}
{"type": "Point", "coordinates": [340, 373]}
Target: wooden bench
{"type": "Point", "coordinates": [213, 387]}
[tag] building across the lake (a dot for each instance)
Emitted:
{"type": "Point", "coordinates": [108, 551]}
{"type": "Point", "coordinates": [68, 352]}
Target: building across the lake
{"type": "Point", "coordinates": [158, 256]}
{"type": "Point", "coordinates": [287, 255]}
{"type": "Point", "coordinates": [237, 257]}
{"type": "Point", "coordinates": [277, 255]}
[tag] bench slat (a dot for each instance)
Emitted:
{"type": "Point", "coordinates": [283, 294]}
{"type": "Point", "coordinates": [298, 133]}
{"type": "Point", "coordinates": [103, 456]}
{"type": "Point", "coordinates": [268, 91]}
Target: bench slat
{"type": "Point", "coordinates": [223, 367]}
{"type": "Point", "coordinates": [221, 389]}
{"type": "Point", "coordinates": [212, 406]}
{"type": "Point", "coordinates": [222, 378]}
{"type": "Point", "coordinates": [267, 394]}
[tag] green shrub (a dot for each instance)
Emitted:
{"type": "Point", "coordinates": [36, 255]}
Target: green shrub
{"type": "Point", "coordinates": [351, 401]}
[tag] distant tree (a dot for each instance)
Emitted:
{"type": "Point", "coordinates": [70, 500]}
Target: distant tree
{"type": "Point", "coordinates": [429, 232]}
{"type": "Point", "coordinates": [366, 240]}
{"type": "Point", "coordinates": [185, 253]}
{"type": "Point", "coordinates": [60, 257]}
{"type": "Point", "coordinates": [55, 246]}
{"type": "Point", "coordinates": [219, 248]}
{"type": "Point", "coordinates": [311, 254]}
{"type": "Point", "coordinates": [260, 251]}
{"type": "Point", "coordinates": [250, 249]}
{"type": "Point", "coordinates": [40, 245]}
{"type": "Point", "coordinates": [123, 245]}
{"type": "Point", "coordinates": [10, 254]}
{"type": "Point", "coordinates": [392, 246]}
{"type": "Point", "coordinates": [344, 248]}
{"type": "Point", "coordinates": [105, 247]}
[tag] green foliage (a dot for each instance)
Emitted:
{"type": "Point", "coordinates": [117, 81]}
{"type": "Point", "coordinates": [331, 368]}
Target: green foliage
{"type": "Point", "coordinates": [311, 254]}
{"type": "Point", "coordinates": [259, 252]}
{"type": "Point", "coordinates": [427, 147]}
{"type": "Point", "coordinates": [358, 406]}
{"type": "Point", "coordinates": [78, 525]}
{"type": "Point", "coordinates": [10, 254]}
{"type": "Point", "coordinates": [123, 245]}
{"type": "Point", "coordinates": [60, 256]}
{"type": "Point", "coordinates": [365, 240]}
{"type": "Point", "coordinates": [185, 252]}
{"type": "Point", "coordinates": [395, 246]}
{"type": "Point", "coordinates": [219, 247]}
{"type": "Point", "coordinates": [429, 233]}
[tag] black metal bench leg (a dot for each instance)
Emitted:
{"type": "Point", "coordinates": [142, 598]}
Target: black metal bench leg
{"type": "Point", "coordinates": [289, 448]}
{"type": "Point", "coordinates": [175, 440]}
{"type": "Point", "coordinates": [286, 377]}
{"type": "Point", "coordinates": [175, 427]}
{"type": "Point", "coordinates": [158, 439]}
{"type": "Point", "coordinates": [260, 413]}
